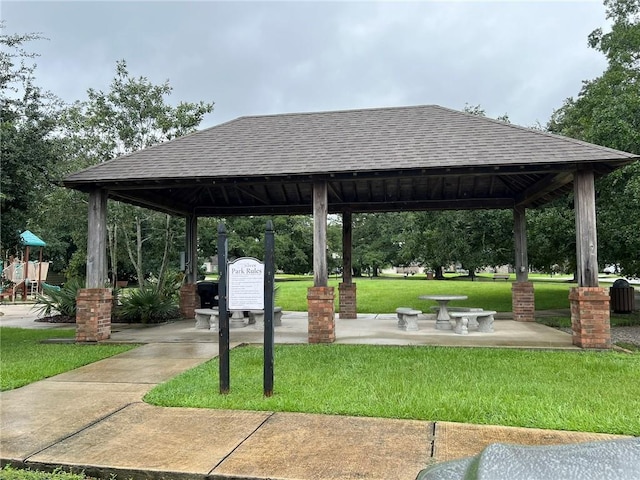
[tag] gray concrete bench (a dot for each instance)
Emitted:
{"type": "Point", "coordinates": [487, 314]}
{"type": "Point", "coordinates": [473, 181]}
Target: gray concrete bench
{"type": "Point", "coordinates": [472, 322]}
{"type": "Point", "coordinates": [501, 276]}
{"type": "Point", "coordinates": [207, 318]}
{"type": "Point", "coordinates": [463, 320]}
{"type": "Point", "coordinates": [256, 317]}
{"type": "Point", "coordinates": [408, 318]}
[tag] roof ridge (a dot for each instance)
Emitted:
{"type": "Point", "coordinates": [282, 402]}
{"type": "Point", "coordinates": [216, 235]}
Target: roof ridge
{"type": "Point", "coordinates": [346, 110]}
{"type": "Point", "coordinates": [540, 132]}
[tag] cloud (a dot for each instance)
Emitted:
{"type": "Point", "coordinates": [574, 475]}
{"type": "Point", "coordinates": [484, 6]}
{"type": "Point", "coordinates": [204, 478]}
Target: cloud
{"type": "Point", "coordinates": [520, 58]}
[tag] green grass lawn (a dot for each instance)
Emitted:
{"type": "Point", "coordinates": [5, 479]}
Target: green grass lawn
{"type": "Point", "coordinates": [384, 295]}
{"type": "Point", "coordinates": [25, 359]}
{"type": "Point", "coordinates": [582, 391]}
{"type": "Point", "coordinates": [10, 473]}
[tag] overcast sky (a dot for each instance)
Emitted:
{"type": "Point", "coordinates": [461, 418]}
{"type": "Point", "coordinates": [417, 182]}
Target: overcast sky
{"type": "Point", "coordinates": [254, 58]}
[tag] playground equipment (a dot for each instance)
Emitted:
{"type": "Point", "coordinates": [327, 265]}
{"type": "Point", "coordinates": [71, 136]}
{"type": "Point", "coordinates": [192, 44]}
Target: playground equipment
{"type": "Point", "coordinates": [26, 276]}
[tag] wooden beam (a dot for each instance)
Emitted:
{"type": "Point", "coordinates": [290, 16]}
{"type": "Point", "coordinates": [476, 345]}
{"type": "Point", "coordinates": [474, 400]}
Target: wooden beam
{"type": "Point", "coordinates": [320, 211]}
{"type": "Point", "coordinates": [176, 207]}
{"type": "Point", "coordinates": [586, 233]}
{"type": "Point", "coordinates": [97, 240]}
{"type": "Point", "coordinates": [546, 184]}
{"type": "Point", "coordinates": [355, 207]}
{"type": "Point", "coordinates": [335, 192]}
{"type": "Point", "coordinates": [520, 239]}
{"type": "Point", "coordinates": [245, 191]}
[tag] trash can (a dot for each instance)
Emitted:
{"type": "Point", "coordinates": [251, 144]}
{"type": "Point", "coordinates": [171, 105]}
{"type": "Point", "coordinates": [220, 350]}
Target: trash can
{"type": "Point", "coordinates": [622, 296]}
{"type": "Point", "coordinates": [208, 292]}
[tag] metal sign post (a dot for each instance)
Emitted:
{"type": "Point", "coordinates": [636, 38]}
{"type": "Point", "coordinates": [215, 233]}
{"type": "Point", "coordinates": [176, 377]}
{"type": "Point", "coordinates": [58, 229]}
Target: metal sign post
{"type": "Point", "coordinates": [223, 344]}
{"type": "Point", "coordinates": [246, 284]}
{"type": "Point", "coordinates": [269, 274]}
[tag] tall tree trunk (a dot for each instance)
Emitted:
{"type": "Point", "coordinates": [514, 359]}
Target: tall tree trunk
{"type": "Point", "coordinates": [136, 260]}
{"type": "Point", "coordinates": [139, 241]}
{"type": "Point", "coordinates": [112, 234]}
{"type": "Point", "coordinates": [168, 237]}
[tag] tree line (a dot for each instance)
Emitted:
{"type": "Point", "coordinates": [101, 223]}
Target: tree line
{"type": "Point", "coordinates": [42, 140]}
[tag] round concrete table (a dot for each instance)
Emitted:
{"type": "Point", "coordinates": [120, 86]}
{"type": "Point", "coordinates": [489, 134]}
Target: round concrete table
{"type": "Point", "coordinates": [443, 319]}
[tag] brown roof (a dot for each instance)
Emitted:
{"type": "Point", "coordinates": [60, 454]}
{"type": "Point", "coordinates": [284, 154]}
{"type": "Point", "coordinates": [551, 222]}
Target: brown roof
{"type": "Point", "coordinates": [374, 160]}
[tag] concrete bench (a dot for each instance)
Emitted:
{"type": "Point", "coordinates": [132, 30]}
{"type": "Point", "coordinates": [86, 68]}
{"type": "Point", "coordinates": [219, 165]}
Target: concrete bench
{"type": "Point", "coordinates": [472, 322]}
{"type": "Point", "coordinates": [408, 318]}
{"type": "Point", "coordinates": [207, 318]}
{"type": "Point", "coordinates": [256, 317]}
{"type": "Point", "coordinates": [484, 318]}
{"type": "Point", "coordinates": [501, 276]}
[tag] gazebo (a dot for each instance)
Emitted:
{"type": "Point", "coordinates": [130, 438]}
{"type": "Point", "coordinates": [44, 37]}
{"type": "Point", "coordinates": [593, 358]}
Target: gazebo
{"type": "Point", "coordinates": [344, 162]}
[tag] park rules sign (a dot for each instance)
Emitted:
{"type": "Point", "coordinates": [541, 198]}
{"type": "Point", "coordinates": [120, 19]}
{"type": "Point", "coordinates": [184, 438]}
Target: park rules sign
{"type": "Point", "coordinates": [245, 283]}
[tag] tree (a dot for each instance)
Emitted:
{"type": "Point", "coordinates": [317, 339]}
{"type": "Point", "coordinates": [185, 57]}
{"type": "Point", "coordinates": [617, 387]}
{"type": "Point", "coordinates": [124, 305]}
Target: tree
{"type": "Point", "coordinates": [473, 238]}
{"type": "Point", "coordinates": [377, 241]}
{"type": "Point", "coordinates": [131, 116]}
{"type": "Point", "coordinates": [28, 146]}
{"type": "Point", "coordinates": [607, 112]}
{"type": "Point", "coordinates": [551, 237]}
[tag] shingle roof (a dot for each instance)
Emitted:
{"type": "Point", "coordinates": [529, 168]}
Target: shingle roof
{"type": "Point", "coordinates": [290, 150]}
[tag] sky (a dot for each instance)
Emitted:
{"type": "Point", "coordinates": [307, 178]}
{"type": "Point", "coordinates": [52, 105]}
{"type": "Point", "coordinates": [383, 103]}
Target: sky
{"type": "Point", "coordinates": [255, 58]}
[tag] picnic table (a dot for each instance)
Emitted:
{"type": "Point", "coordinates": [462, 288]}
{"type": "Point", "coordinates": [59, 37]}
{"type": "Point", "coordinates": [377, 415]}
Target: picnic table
{"type": "Point", "coordinates": [443, 320]}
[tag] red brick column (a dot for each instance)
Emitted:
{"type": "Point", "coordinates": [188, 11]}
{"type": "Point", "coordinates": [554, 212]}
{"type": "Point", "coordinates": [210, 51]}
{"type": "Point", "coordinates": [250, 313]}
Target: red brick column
{"type": "Point", "coordinates": [322, 325]}
{"type": "Point", "coordinates": [590, 319]}
{"type": "Point", "coordinates": [93, 314]}
{"type": "Point", "coordinates": [523, 303]}
{"type": "Point", "coordinates": [189, 300]}
{"type": "Point", "coordinates": [347, 302]}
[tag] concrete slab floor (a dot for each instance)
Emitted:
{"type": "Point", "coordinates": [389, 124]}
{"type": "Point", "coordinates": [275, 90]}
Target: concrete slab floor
{"type": "Point", "coordinates": [305, 446]}
{"type": "Point", "coordinates": [141, 438]}
{"type": "Point", "coordinates": [42, 413]}
{"type": "Point", "coordinates": [460, 440]}
{"type": "Point", "coordinates": [129, 370]}
{"type": "Point", "coordinates": [377, 329]}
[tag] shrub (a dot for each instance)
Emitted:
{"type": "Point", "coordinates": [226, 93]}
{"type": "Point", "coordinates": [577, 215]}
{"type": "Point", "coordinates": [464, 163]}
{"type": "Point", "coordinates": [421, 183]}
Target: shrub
{"type": "Point", "coordinates": [59, 299]}
{"type": "Point", "coordinates": [147, 305]}
{"type": "Point", "coordinates": [170, 284]}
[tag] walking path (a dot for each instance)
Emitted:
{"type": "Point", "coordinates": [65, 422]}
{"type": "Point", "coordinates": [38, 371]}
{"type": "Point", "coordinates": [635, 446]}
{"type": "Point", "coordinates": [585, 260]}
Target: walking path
{"type": "Point", "coordinates": [93, 418]}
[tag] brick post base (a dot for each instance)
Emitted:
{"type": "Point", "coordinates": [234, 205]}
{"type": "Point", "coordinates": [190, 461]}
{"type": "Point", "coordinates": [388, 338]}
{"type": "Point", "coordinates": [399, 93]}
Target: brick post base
{"type": "Point", "coordinates": [322, 325]}
{"type": "Point", "coordinates": [590, 319]}
{"type": "Point", "coordinates": [523, 304]}
{"type": "Point", "coordinates": [347, 302]}
{"type": "Point", "coordinates": [93, 314]}
{"type": "Point", "coordinates": [189, 300]}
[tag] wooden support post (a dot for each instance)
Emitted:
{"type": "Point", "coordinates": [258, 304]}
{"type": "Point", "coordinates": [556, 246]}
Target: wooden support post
{"type": "Point", "coordinates": [520, 239]}
{"type": "Point", "coordinates": [586, 234]}
{"type": "Point", "coordinates": [347, 289]}
{"type": "Point", "coordinates": [320, 296]}
{"type": "Point", "coordinates": [522, 295]}
{"type": "Point", "coordinates": [94, 303]}
{"type": "Point", "coordinates": [97, 240]}
{"type": "Point", "coordinates": [189, 299]}
{"type": "Point", "coordinates": [590, 316]}
{"type": "Point", "coordinates": [320, 211]}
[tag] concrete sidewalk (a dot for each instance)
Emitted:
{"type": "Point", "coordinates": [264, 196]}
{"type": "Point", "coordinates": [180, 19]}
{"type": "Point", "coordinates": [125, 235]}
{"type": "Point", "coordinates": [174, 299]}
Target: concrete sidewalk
{"type": "Point", "coordinates": [93, 419]}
